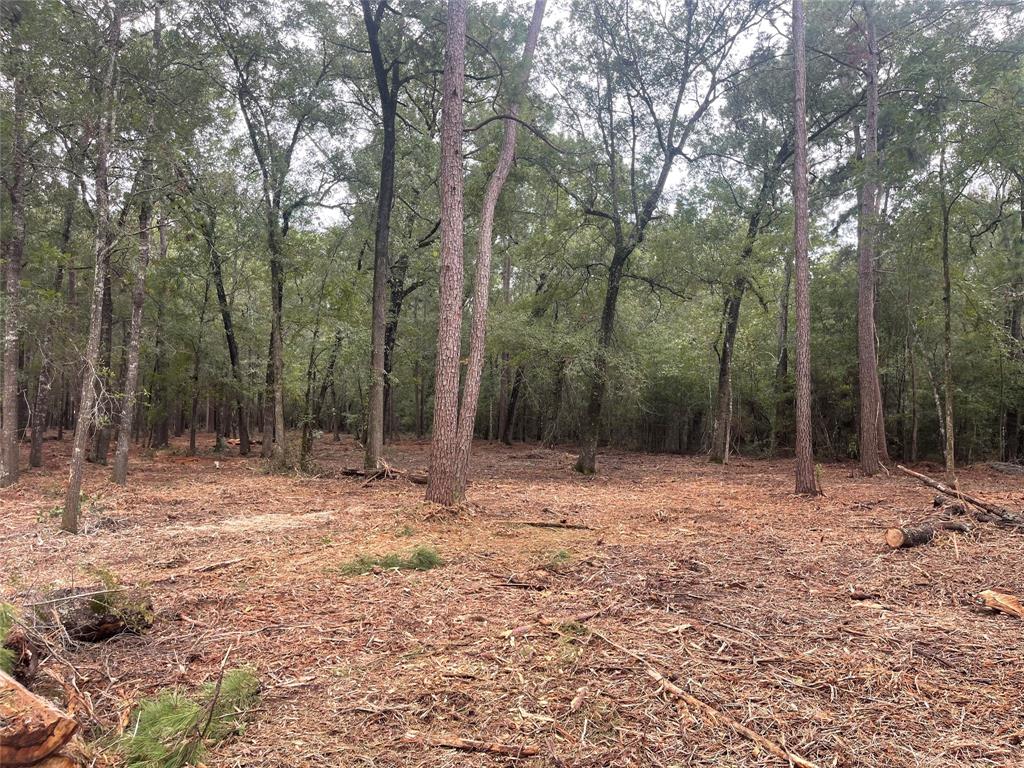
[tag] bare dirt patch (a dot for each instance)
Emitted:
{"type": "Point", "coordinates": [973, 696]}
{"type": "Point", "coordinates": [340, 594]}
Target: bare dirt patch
{"type": "Point", "coordinates": [790, 615]}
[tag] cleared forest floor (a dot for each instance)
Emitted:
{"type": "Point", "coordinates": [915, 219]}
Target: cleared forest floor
{"type": "Point", "coordinates": [788, 614]}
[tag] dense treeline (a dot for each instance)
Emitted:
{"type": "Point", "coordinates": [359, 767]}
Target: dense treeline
{"type": "Point", "coordinates": [227, 216]}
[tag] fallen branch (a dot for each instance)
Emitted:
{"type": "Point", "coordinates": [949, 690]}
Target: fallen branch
{"type": "Point", "coordinates": [217, 566]}
{"type": "Point", "coordinates": [711, 712]}
{"type": "Point", "coordinates": [921, 533]}
{"type": "Point", "coordinates": [1004, 515]}
{"type": "Point", "coordinates": [470, 745]}
{"type": "Point", "coordinates": [1002, 602]}
{"type": "Point", "coordinates": [555, 621]}
{"type": "Point", "coordinates": [555, 524]}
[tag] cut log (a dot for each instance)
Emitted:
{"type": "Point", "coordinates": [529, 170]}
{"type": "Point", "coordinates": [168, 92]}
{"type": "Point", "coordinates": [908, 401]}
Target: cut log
{"type": "Point", "coordinates": [31, 728]}
{"type": "Point", "coordinates": [1000, 514]}
{"type": "Point", "coordinates": [555, 524]}
{"type": "Point", "coordinates": [921, 533]}
{"type": "Point", "coordinates": [1002, 602]}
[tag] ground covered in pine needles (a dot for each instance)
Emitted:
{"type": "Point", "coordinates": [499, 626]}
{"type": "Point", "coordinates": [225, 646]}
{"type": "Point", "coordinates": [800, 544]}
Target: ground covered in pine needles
{"type": "Point", "coordinates": [786, 614]}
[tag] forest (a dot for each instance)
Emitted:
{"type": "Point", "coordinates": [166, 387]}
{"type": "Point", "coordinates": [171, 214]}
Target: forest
{"type": "Point", "coordinates": [463, 382]}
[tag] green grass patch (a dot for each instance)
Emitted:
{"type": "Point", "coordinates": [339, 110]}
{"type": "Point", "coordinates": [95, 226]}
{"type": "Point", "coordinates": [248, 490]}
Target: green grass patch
{"type": "Point", "coordinates": [421, 559]}
{"type": "Point", "coordinates": [172, 730]}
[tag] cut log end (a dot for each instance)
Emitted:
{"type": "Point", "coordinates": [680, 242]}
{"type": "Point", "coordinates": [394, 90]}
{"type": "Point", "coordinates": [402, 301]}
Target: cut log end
{"type": "Point", "coordinates": [31, 728]}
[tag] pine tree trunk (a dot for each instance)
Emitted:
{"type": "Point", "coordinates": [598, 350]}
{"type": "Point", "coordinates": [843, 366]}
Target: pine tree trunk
{"type": "Point", "coordinates": [103, 244]}
{"type": "Point", "coordinates": [871, 417]}
{"type": "Point", "coordinates": [442, 484]}
{"type": "Point", "coordinates": [805, 480]}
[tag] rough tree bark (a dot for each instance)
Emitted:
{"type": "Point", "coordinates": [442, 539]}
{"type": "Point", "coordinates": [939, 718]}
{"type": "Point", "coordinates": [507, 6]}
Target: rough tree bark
{"type": "Point", "coordinates": [444, 446]}
{"type": "Point", "coordinates": [872, 442]}
{"type": "Point", "coordinates": [148, 180]}
{"type": "Point", "coordinates": [15, 252]}
{"type": "Point", "coordinates": [388, 85]}
{"type": "Point", "coordinates": [103, 243]}
{"type": "Point", "coordinates": [806, 482]}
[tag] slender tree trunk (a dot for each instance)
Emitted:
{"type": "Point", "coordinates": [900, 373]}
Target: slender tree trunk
{"type": "Point", "coordinates": [505, 376]}
{"type": "Point", "coordinates": [148, 179]}
{"type": "Point", "coordinates": [781, 355]}
{"type": "Point", "coordinates": [103, 243]}
{"type": "Point", "coordinates": [441, 486]}
{"type": "Point", "coordinates": [806, 482]}
{"type": "Point", "coordinates": [388, 83]}
{"type": "Point", "coordinates": [482, 277]}
{"type": "Point", "coordinates": [267, 412]}
{"type": "Point", "coordinates": [947, 333]}
{"type": "Point", "coordinates": [586, 462]}
{"type": "Point", "coordinates": [46, 369]}
{"type": "Point", "coordinates": [872, 421]}
{"type": "Point", "coordinates": [279, 452]}
{"type": "Point", "coordinates": [196, 369]}
{"type": "Point", "coordinates": [15, 251]}
{"type": "Point", "coordinates": [210, 233]}
{"type": "Point", "coordinates": [105, 380]}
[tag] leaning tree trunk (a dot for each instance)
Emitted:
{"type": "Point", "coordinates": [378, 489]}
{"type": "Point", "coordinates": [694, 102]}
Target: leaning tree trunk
{"type": "Point", "coordinates": [102, 245]}
{"type": "Point", "coordinates": [482, 278]}
{"type": "Point", "coordinates": [15, 253]}
{"type": "Point", "coordinates": [806, 482]}
{"type": "Point", "coordinates": [441, 487]}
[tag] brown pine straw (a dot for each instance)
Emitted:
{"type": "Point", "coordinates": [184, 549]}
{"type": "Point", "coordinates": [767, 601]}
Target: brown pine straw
{"type": "Point", "coordinates": [714, 714]}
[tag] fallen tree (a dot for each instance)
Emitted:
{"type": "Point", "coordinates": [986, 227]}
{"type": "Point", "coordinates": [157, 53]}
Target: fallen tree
{"type": "Point", "coordinates": [32, 729]}
{"type": "Point", "coordinates": [995, 512]}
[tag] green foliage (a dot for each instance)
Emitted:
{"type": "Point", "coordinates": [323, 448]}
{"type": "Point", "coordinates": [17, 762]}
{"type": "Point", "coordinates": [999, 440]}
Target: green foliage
{"type": "Point", "coordinates": [172, 730]}
{"type": "Point", "coordinates": [6, 624]}
{"type": "Point", "coordinates": [422, 558]}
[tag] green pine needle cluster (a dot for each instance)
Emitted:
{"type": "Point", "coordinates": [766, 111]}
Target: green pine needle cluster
{"type": "Point", "coordinates": [173, 730]}
{"type": "Point", "coordinates": [6, 624]}
{"type": "Point", "coordinates": [422, 559]}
